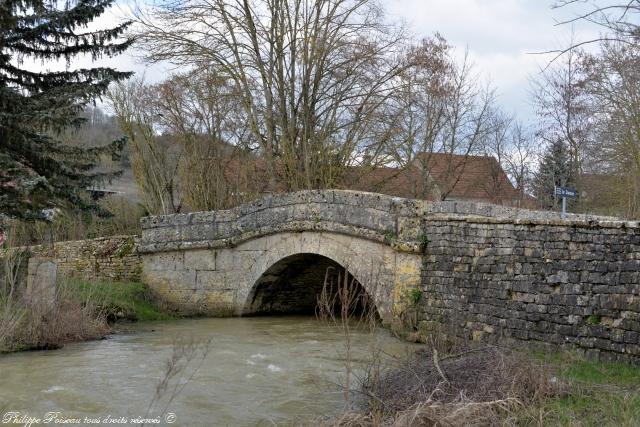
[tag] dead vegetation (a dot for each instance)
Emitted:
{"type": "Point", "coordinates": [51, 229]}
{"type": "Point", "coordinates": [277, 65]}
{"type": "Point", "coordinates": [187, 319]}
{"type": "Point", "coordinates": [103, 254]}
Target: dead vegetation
{"type": "Point", "coordinates": [45, 318]}
{"type": "Point", "coordinates": [187, 357]}
{"type": "Point", "coordinates": [49, 323]}
{"type": "Point", "coordinates": [471, 387]}
{"type": "Point", "coordinates": [442, 384]}
{"type": "Point", "coordinates": [343, 303]}
{"type": "Point", "coordinates": [485, 374]}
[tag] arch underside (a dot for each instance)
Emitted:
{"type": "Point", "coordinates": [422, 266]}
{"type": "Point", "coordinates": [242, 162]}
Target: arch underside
{"type": "Point", "coordinates": [306, 283]}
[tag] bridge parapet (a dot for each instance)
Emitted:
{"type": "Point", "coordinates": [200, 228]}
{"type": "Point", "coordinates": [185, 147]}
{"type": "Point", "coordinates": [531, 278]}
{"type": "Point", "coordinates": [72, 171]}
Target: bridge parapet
{"type": "Point", "coordinates": [381, 218]}
{"type": "Point", "coordinates": [375, 217]}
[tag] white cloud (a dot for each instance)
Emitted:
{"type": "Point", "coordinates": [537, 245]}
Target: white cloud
{"type": "Point", "coordinates": [501, 36]}
{"type": "Point", "coordinates": [125, 62]}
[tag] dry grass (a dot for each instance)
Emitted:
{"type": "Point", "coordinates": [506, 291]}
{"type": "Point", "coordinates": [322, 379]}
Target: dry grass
{"type": "Point", "coordinates": [47, 323]}
{"type": "Point", "coordinates": [471, 387]}
{"type": "Point", "coordinates": [433, 413]}
{"type": "Point", "coordinates": [484, 374]}
{"type": "Point", "coordinates": [123, 219]}
{"type": "Point", "coordinates": [448, 385]}
{"type": "Point", "coordinates": [345, 304]}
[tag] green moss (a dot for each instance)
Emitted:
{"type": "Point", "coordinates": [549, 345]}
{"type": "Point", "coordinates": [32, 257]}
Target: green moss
{"type": "Point", "coordinates": [414, 296]}
{"type": "Point", "coordinates": [593, 320]}
{"type": "Point", "coordinates": [424, 242]}
{"type": "Point", "coordinates": [118, 300]}
{"type": "Point", "coordinates": [126, 248]}
{"type": "Point", "coordinates": [390, 237]}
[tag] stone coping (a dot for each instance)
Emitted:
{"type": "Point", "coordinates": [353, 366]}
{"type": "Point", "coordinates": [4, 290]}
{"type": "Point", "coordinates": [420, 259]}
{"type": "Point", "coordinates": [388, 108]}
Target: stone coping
{"type": "Point", "coordinates": [394, 221]}
{"type": "Point", "coordinates": [396, 206]}
{"type": "Point", "coordinates": [576, 223]}
{"type": "Point", "coordinates": [48, 247]}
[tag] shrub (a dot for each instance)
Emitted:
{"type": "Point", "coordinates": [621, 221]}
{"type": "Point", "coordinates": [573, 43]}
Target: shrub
{"type": "Point", "coordinates": [118, 300]}
{"type": "Point", "coordinates": [47, 323]}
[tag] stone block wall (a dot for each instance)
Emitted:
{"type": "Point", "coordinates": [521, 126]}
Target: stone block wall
{"type": "Point", "coordinates": [274, 272]}
{"type": "Point", "coordinates": [538, 283]}
{"type": "Point", "coordinates": [103, 259]}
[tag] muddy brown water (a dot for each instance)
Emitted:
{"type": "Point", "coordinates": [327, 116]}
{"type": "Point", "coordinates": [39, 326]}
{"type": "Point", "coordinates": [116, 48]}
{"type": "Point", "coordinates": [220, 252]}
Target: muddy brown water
{"type": "Point", "coordinates": [258, 371]}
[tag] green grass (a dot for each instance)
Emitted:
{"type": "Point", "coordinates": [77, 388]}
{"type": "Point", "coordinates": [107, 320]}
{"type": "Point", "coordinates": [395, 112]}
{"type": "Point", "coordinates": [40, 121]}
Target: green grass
{"type": "Point", "coordinates": [118, 300]}
{"type": "Point", "coordinates": [590, 407]}
{"type": "Point", "coordinates": [596, 394]}
{"type": "Point", "coordinates": [414, 296]}
{"type": "Point", "coordinates": [603, 373]}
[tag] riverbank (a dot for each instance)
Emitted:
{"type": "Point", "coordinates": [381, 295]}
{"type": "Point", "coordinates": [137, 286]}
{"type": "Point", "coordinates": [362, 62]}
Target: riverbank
{"type": "Point", "coordinates": [79, 311]}
{"type": "Point", "coordinates": [492, 386]}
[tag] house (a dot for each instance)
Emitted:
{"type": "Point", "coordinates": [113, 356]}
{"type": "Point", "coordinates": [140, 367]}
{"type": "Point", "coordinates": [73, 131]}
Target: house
{"type": "Point", "coordinates": [124, 186]}
{"type": "Point", "coordinates": [431, 176]}
{"type": "Point", "coordinates": [439, 176]}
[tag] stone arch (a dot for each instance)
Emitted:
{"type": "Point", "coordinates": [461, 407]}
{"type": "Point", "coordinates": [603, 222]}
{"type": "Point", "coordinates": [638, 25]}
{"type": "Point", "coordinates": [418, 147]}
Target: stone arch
{"type": "Point", "coordinates": [294, 285]}
{"type": "Point", "coordinates": [366, 261]}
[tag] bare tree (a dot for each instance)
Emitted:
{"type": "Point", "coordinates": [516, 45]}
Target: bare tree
{"type": "Point", "coordinates": [619, 20]}
{"type": "Point", "coordinates": [520, 160]}
{"type": "Point", "coordinates": [201, 111]}
{"type": "Point", "coordinates": [311, 73]}
{"type": "Point", "coordinates": [418, 108]}
{"type": "Point", "coordinates": [563, 106]}
{"type": "Point", "coordinates": [13, 260]}
{"type": "Point", "coordinates": [516, 152]}
{"type": "Point", "coordinates": [154, 163]}
{"type": "Point", "coordinates": [497, 146]}
{"type": "Point", "coordinates": [610, 82]}
{"type": "Point", "coordinates": [441, 116]}
{"type": "Point", "coordinates": [614, 82]}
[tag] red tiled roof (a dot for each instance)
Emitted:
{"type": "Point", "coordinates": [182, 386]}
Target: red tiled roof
{"type": "Point", "coordinates": [468, 177]}
{"type": "Point", "coordinates": [437, 176]}
{"type": "Point", "coordinates": [392, 181]}
{"type": "Point", "coordinates": [432, 176]}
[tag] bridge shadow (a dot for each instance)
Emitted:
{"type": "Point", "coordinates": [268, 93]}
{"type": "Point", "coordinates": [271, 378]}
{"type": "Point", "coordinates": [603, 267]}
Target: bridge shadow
{"type": "Point", "coordinates": [305, 283]}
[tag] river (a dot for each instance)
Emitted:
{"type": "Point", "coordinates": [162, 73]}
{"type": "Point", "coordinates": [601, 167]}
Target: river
{"type": "Point", "coordinates": [257, 371]}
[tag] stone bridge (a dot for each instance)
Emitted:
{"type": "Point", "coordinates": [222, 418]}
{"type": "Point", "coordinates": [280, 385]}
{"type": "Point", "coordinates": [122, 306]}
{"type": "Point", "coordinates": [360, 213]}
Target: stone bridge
{"type": "Point", "coordinates": [473, 271]}
{"type": "Point", "coordinates": [272, 255]}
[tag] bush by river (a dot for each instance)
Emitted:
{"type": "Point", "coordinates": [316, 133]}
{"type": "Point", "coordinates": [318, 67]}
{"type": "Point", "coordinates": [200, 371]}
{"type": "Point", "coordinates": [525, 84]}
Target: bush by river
{"type": "Point", "coordinates": [78, 311]}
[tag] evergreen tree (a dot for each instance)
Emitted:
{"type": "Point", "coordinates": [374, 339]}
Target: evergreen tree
{"type": "Point", "coordinates": [36, 169]}
{"type": "Point", "coordinates": [555, 169]}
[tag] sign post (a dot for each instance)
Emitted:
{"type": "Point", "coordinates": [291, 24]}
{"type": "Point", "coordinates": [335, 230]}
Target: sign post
{"type": "Point", "coordinates": [565, 193]}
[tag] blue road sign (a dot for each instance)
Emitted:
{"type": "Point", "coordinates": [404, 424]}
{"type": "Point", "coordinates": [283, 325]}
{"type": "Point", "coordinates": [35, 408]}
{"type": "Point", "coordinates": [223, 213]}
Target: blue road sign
{"type": "Point", "coordinates": [566, 192]}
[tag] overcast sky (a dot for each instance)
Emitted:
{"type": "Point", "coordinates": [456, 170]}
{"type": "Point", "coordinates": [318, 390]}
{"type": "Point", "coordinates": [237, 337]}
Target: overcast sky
{"type": "Point", "coordinates": [500, 35]}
